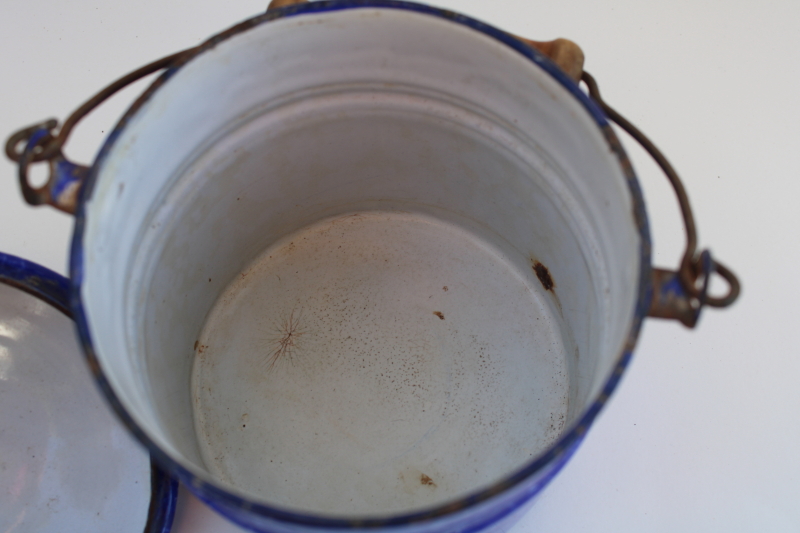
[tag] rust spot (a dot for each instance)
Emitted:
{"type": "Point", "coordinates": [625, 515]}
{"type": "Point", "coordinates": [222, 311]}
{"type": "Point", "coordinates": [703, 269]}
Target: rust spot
{"type": "Point", "coordinates": [209, 280]}
{"type": "Point", "coordinates": [196, 344]}
{"type": "Point", "coordinates": [439, 314]}
{"type": "Point", "coordinates": [202, 348]}
{"type": "Point", "coordinates": [425, 480]}
{"type": "Point", "coordinates": [544, 276]}
{"type": "Point", "coordinates": [445, 289]}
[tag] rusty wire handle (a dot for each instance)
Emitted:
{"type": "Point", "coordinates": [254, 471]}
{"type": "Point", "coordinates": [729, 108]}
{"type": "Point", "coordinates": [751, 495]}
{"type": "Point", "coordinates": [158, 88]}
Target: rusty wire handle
{"type": "Point", "coordinates": [691, 264]}
{"type": "Point", "coordinates": [50, 145]}
{"type": "Point", "coordinates": [40, 142]}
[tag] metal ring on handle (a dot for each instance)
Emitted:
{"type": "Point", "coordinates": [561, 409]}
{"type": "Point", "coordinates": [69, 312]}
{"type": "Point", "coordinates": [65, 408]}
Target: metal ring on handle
{"type": "Point", "coordinates": [35, 138]}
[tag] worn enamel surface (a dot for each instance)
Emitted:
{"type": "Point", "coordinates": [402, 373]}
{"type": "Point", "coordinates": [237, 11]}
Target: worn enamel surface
{"type": "Point", "coordinates": [464, 159]}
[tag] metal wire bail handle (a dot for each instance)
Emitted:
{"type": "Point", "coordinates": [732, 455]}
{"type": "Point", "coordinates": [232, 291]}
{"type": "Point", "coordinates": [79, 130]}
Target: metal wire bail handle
{"type": "Point", "coordinates": [677, 294]}
{"type": "Point", "coordinates": [684, 300]}
{"type": "Point", "coordinates": [41, 143]}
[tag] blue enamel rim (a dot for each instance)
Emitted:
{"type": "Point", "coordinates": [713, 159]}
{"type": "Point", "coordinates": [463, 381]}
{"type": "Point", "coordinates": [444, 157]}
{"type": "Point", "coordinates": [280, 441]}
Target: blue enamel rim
{"type": "Point", "coordinates": [54, 289]}
{"type": "Point", "coordinates": [554, 458]}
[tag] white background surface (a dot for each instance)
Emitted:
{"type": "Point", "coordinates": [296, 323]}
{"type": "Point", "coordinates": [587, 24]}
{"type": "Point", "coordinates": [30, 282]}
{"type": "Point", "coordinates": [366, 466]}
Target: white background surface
{"type": "Point", "coordinates": [703, 433]}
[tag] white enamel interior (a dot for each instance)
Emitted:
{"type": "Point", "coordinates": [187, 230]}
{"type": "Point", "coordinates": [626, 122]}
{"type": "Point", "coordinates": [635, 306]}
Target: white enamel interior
{"type": "Point", "coordinates": [380, 155]}
{"type": "Point", "coordinates": [66, 463]}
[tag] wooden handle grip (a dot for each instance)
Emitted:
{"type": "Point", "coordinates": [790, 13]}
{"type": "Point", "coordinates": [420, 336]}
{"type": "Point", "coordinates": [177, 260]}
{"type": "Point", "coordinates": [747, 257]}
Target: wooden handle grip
{"type": "Point", "coordinates": [563, 52]}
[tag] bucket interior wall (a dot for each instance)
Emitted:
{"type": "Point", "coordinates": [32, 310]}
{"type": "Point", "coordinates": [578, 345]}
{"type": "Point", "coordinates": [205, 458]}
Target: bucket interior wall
{"type": "Point", "coordinates": [320, 198]}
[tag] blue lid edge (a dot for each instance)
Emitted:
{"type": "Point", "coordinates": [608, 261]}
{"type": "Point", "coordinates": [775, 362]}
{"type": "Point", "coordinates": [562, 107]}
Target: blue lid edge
{"type": "Point", "coordinates": [36, 280]}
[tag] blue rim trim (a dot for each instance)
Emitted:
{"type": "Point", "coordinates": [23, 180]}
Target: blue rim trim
{"type": "Point", "coordinates": [54, 289]}
{"type": "Point", "coordinates": [556, 455]}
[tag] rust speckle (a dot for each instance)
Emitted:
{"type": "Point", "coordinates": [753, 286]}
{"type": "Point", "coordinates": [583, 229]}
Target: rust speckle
{"type": "Point", "coordinates": [445, 289]}
{"type": "Point", "coordinates": [196, 344]}
{"type": "Point", "coordinates": [202, 348]}
{"type": "Point", "coordinates": [209, 280]}
{"type": "Point", "coordinates": [439, 314]}
{"type": "Point", "coordinates": [544, 276]}
{"type": "Point", "coordinates": [425, 480]}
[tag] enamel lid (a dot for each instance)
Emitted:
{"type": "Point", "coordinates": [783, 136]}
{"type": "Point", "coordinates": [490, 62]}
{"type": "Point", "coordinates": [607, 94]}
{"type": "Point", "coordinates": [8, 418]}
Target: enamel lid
{"type": "Point", "coordinates": [66, 463]}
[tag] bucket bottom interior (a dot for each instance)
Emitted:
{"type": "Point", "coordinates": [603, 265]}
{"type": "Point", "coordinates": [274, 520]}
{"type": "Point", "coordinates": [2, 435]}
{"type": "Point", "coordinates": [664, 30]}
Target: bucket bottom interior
{"type": "Point", "coordinates": [377, 362]}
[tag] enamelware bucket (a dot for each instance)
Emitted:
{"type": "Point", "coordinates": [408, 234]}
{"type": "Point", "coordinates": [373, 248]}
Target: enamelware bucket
{"type": "Point", "coordinates": [362, 265]}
